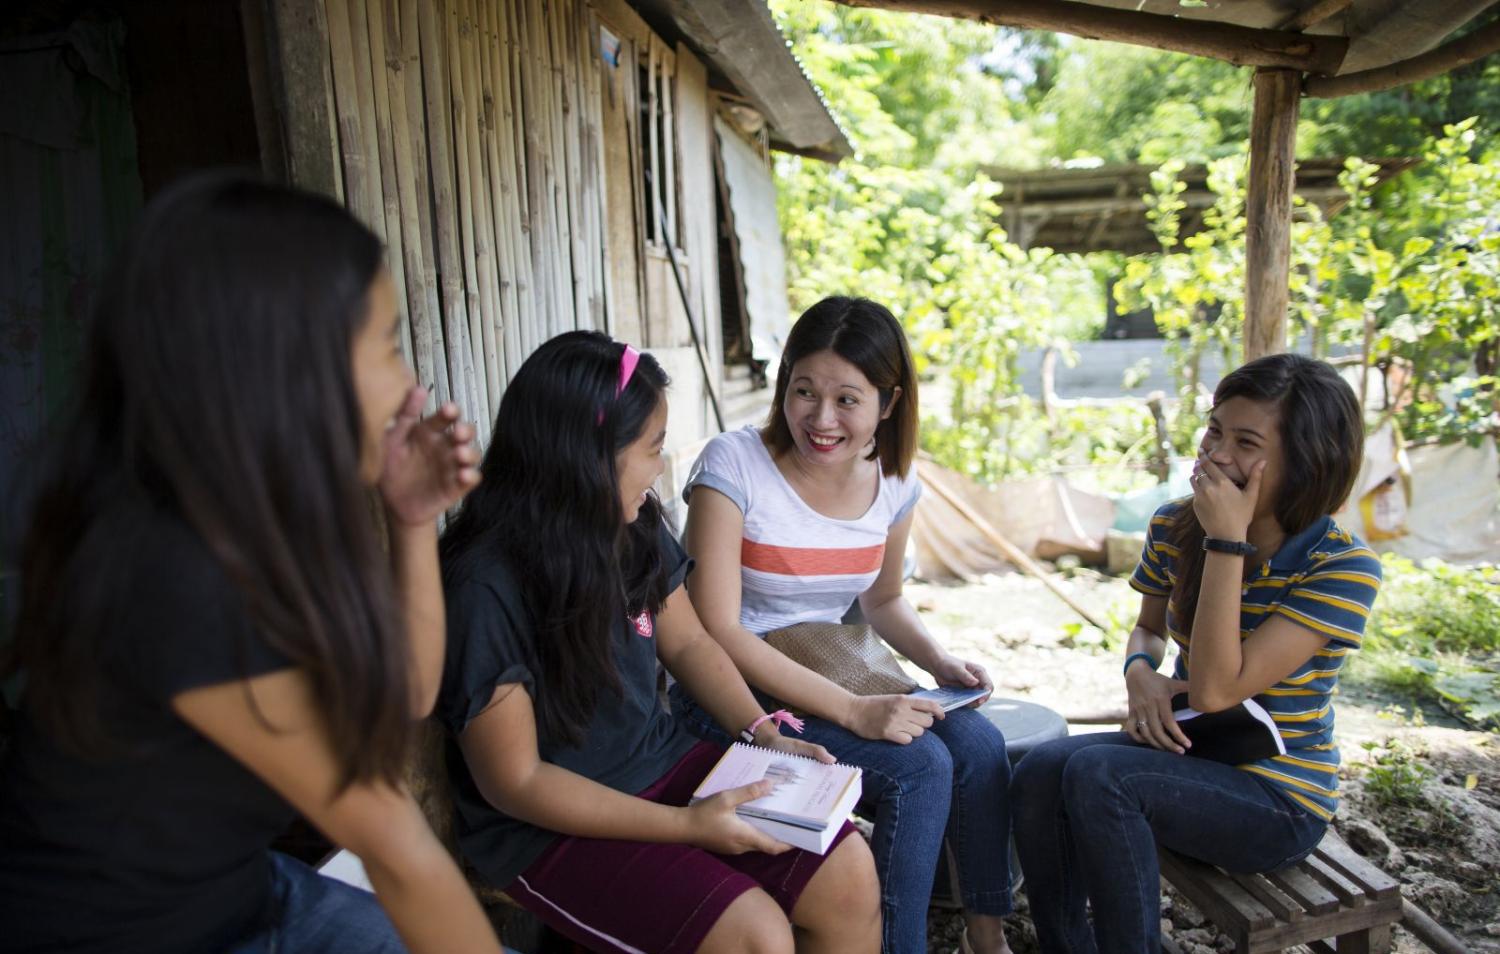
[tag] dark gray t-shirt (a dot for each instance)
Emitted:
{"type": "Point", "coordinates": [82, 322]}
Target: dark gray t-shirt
{"type": "Point", "coordinates": [630, 743]}
{"type": "Point", "coordinates": [160, 845]}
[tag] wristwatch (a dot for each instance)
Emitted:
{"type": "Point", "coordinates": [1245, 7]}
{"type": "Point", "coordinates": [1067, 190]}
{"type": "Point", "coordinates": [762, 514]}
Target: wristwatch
{"type": "Point", "coordinates": [1237, 547]}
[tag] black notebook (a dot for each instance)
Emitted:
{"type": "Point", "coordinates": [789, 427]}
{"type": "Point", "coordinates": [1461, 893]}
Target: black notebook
{"type": "Point", "coordinates": [1234, 736]}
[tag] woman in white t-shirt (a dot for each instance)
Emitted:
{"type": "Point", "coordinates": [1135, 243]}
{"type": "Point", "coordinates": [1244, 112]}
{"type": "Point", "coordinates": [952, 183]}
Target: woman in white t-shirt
{"type": "Point", "coordinates": [791, 523]}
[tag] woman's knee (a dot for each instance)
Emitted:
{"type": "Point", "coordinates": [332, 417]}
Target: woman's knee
{"type": "Point", "coordinates": [977, 746]}
{"type": "Point", "coordinates": [844, 895]}
{"type": "Point", "coordinates": [1040, 771]}
{"type": "Point", "coordinates": [925, 766]}
{"type": "Point", "coordinates": [1091, 775]}
{"type": "Point", "coordinates": [752, 924]}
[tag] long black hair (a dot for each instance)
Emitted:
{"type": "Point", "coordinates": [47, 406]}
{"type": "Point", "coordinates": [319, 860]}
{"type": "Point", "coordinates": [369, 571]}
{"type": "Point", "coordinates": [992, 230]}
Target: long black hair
{"type": "Point", "coordinates": [549, 506]}
{"type": "Point", "coordinates": [865, 334]}
{"type": "Point", "coordinates": [217, 386]}
{"type": "Point", "coordinates": [1322, 444]}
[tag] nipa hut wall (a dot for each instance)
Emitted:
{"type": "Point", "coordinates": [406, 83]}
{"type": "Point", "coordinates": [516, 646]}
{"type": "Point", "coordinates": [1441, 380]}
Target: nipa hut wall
{"type": "Point", "coordinates": [501, 158]}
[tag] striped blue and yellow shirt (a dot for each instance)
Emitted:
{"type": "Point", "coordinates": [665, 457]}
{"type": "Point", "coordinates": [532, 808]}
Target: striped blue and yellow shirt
{"type": "Point", "coordinates": [1323, 578]}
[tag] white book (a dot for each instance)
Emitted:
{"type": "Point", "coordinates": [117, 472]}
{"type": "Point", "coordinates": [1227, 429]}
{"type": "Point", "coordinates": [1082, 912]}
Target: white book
{"type": "Point", "coordinates": [810, 802]}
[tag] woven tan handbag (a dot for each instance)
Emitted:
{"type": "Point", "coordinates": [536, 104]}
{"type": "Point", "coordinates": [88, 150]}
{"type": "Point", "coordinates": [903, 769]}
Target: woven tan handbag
{"type": "Point", "coordinates": [851, 656]}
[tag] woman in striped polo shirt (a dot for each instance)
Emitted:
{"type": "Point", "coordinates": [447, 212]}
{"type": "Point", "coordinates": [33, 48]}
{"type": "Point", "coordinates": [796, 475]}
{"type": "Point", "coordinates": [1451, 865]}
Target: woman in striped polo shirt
{"type": "Point", "coordinates": [1264, 596]}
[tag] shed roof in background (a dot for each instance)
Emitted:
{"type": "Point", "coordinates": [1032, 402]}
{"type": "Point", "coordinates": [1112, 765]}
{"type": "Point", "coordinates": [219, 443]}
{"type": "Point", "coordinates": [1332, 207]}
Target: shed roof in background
{"type": "Point", "coordinates": [1102, 208]}
{"type": "Point", "coordinates": [1379, 32]}
{"type": "Point", "coordinates": [743, 45]}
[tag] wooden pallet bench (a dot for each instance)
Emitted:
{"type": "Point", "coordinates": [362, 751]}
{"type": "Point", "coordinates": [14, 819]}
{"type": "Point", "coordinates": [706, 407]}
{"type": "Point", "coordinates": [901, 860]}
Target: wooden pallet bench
{"type": "Point", "coordinates": [1333, 900]}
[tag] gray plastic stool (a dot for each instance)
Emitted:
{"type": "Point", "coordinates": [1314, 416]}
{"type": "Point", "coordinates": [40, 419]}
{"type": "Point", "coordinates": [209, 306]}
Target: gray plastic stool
{"type": "Point", "coordinates": [1025, 726]}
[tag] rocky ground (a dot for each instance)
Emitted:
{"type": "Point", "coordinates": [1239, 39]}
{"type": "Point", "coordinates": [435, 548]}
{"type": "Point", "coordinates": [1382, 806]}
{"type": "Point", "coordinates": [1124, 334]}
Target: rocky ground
{"type": "Point", "coordinates": [1421, 792]}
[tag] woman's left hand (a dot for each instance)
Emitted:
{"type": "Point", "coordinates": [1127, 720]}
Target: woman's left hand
{"type": "Point", "coordinates": [952, 671]}
{"type": "Point", "coordinates": [429, 464]}
{"type": "Point", "coordinates": [1223, 509]}
{"type": "Point", "coordinates": [791, 746]}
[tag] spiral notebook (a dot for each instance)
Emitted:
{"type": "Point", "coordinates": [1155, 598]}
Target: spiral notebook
{"type": "Point", "coordinates": [809, 804]}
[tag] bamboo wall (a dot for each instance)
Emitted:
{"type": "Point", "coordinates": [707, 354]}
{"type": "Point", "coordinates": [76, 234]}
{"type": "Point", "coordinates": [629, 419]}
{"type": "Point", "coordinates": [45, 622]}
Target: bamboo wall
{"type": "Point", "coordinates": [500, 157]}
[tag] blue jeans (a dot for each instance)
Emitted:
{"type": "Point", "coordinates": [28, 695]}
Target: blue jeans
{"type": "Point", "coordinates": [1090, 811]}
{"type": "Point", "coordinates": [311, 914]}
{"type": "Point", "coordinates": [950, 780]}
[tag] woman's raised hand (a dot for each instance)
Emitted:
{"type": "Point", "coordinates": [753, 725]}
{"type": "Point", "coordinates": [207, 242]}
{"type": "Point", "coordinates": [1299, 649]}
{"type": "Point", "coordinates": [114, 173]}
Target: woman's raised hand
{"type": "Point", "coordinates": [429, 464]}
{"type": "Point", "coordinates": [1150, 709]}
{"type": "Point", "coordinates": [895, 718]}
{"type": "Point", "coordinates": [1223, 509]}
{"type": "Point", "coordinates": [713, 825]}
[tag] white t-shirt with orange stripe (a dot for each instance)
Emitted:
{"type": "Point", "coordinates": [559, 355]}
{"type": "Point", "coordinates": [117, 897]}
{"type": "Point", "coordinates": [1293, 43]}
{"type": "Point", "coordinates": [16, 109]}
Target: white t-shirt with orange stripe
{"type": "Point", "coordinates": [796, 565]}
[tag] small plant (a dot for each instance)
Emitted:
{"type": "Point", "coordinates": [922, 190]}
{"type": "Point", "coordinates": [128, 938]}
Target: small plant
{"type": "Point", "coordinates": [1119, 620]}
{"type": "Point", "coordinates": [1395, 775]}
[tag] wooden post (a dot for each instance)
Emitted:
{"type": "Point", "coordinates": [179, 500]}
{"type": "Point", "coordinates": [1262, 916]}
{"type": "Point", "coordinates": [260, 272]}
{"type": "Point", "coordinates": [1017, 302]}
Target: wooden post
{"type": "Point", "coordinates": [299, 44]}
{"type": "Point", "coordinates": [1268, 209]}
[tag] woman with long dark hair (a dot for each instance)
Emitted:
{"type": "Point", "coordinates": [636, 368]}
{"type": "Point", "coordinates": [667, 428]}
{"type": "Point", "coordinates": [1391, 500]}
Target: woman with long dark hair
{"type": "Point", "coordinates": [791, 524]}
{"type": "Point", "coordinates": [211, 635]}
{"type": "Point", "coordinates": [1264, 596]}
{"type": "Point", "coordinates": [565, 592]}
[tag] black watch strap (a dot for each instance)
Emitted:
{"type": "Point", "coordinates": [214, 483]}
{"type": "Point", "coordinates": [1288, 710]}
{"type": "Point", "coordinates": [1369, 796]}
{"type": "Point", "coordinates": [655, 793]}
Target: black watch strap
{"type": "Point", "coordinates": [1237, 547]}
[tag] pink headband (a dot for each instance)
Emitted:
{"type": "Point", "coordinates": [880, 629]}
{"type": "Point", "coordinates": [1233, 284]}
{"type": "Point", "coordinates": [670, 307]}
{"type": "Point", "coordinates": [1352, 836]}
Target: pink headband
{"type": "Point", "coordinates": [629, 358]}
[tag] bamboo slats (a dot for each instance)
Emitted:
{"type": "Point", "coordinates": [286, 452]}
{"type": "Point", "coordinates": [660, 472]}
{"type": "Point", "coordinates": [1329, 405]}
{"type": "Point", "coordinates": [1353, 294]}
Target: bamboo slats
{"type": "Point", "coordinates": [472, 138]}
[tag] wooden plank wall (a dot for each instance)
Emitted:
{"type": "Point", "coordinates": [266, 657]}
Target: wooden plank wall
{"type": "Point", "coordinates": [497, 154]}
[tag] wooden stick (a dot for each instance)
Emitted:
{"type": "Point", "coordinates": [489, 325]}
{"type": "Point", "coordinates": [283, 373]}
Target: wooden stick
{"type": "Point", "coordinates": [594, 188]}
{"type": "Point", "coordinates": [565, 59]}
{"type": "Point", "coordinates": [502, 221]}
{"type": "Point", "coordinates": [1242, 46]}
{"type": "Point", "coordinates": [356, 158]}
{"type": "Point", "coordinates": [515, 261]}
{"type": "Point", "coordinates": [410, 128]}
{"type": "Point", "coordinates": [1428, 931]}
{"type": "Point", "coordinates": [1450, 56]}
{"type": "Point", "coordinates": [554, 184]}
{"type": "Point", "coordinates": [1007, 549]}
{"type": "Point", "coordinates": [473, 207]}
{"type": "Point", "coordinates": [369, 24]}
{"type": "Point", "coordinates": [365, 93]}
{"type": "Point", "coordinates": [534, 119]}
{"type": "Point", "coordinates": [484, 221]}
{"type": "Point", "coordinates": [1268, 210]}
{"type": "Point", "coordinates": [432, 30]}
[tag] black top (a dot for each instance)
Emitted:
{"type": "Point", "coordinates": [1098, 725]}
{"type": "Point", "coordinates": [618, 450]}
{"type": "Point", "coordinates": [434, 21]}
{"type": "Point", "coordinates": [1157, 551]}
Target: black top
{"type": "Point", "coordinates": [160, 844]}
{"type": "Point", "coordinates": [630, 743]}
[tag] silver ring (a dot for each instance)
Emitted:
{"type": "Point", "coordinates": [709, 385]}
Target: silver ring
{"type": "Point", "coordinates": [1140, 723]}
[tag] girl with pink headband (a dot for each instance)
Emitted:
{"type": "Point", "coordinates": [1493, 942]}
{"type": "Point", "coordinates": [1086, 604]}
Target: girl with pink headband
{"type": "Point", "coordinates": [572, 781]}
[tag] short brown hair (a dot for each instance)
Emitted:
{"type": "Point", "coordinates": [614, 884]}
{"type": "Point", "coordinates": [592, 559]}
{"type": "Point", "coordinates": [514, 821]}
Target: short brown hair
{"type": "Point", "coordinates": [1322, 444]}
{"type": "Point", "coordinates": [865, 334]}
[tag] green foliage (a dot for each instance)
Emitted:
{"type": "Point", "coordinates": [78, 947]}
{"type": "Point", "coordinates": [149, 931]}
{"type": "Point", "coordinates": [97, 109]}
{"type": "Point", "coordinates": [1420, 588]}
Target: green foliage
{"type": "Point", "coordinates": [1123, 104]}
{"type": "Point", "coordinates": [1395, 775]}
{"type": "Point", "coordinates": [1413, 283]}
{"type": "Point", "coordinates": [911, 220]}
{"type": "Point", "coordinates": [1119, 619]}
{"type": "Point", "coordinates": [1435, 634]}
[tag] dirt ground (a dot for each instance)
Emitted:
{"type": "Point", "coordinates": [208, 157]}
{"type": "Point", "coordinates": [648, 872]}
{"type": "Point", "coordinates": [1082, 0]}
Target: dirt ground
{"type": "Point", "coordinates": [1442, 846]}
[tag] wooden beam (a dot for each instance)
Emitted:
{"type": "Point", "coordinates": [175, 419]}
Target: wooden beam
{"type": "Point", "coordinates": [1450, 56]}
{"type": "Point", "coordinates": [1243, 46]}
{"type": "Point", "coordinates": [1315, 14]}
{"type": "Point", "coordinates": [299, 55]}
{"type": "Point", "coordinates": [1268, 210]}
